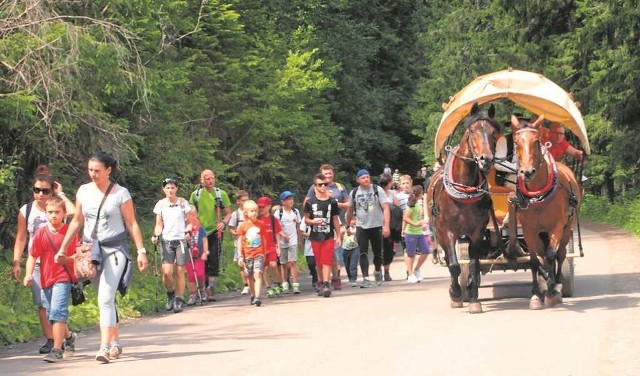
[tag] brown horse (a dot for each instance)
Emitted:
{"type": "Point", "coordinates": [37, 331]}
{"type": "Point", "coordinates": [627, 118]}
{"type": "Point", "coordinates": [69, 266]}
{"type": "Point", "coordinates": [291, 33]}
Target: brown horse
{"type": "Point", "coordinates": [547, 202]}
{"type": "Point", "coordinates": [458, 202]}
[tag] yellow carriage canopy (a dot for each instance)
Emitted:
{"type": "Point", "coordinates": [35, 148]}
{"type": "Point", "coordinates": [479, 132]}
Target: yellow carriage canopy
{"type": "Point", "coordinates": [528, 90]}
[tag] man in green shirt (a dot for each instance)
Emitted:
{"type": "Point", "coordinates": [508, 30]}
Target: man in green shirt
{"type": "Point", "coordinates": [214, 211]}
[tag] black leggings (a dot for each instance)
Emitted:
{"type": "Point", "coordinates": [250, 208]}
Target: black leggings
{"type": "Point", "coordinates": [364, 236]}
{"type": "Point", "coordinates": [311, 263]}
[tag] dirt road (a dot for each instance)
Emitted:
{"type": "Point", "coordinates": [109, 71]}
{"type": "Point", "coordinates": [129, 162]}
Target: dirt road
{"type": "Point", "coordinates": [394, 329]}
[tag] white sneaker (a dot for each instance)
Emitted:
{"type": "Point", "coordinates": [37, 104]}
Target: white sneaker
{"type": "Point", "coordinates": [412, 279]}
{"type": "Point", "coordinates": [245, 291]}
{"type": "Point", "coordinates": [416, 273]}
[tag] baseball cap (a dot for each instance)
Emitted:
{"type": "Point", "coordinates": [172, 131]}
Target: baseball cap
{"type": "Point", "coordinates": [361, 173]}
{"type": "Point", "coordinates": [285, 195]}
{"type": "Point", "coordinates": [263, 201]}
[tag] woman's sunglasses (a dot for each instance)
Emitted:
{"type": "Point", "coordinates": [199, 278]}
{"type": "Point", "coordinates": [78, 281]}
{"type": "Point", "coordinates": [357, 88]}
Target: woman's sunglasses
{"type": "Point", "coordinates": [44, 191]}
{"type": "Point", "coordinates": [322, 184]}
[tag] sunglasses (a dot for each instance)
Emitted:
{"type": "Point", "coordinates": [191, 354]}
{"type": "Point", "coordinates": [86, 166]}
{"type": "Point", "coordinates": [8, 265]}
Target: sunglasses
{"type": "Point", "coordinates": [322, 184]}
{"type": "Point", "coordinates": [169, 181]}
{"type": "Point", "coordinates": [44, 191]}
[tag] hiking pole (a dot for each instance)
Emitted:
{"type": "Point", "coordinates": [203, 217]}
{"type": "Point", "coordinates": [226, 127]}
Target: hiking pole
{"type": "Point", "coordinates": [155, 272]}
{"type": "Point", "coordinates": [195, 275]}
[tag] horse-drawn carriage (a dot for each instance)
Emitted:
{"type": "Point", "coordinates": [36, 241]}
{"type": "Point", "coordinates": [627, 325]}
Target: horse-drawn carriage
{"type": "Point", "coordinates": [467, 207]}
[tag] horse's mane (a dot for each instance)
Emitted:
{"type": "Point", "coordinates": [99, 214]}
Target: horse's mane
{"type": "Point", "coordinates": [483, 116]}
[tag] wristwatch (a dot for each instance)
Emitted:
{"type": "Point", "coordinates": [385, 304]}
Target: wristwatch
{"type": "Point", "coordinates": [142, 251]}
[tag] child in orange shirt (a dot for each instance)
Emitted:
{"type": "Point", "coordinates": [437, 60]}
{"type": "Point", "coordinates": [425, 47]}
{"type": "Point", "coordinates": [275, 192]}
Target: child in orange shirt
{"type": "Point", "coordinates": [252, 242]}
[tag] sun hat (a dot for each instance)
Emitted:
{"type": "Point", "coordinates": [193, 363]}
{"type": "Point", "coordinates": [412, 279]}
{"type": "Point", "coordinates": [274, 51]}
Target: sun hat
{"type": "Point", "coordinates": [285, 195]}
{"type": "Point", "coordinates": [263, 201]}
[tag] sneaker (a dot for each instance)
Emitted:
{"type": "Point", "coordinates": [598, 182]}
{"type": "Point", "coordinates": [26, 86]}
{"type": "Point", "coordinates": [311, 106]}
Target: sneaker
{"type": "Point", "coordinates": [252, 301]}
{"type": "Point", "coordinates": [115, 352]}
{"type": "Point", "coordinates": [326, 291]}
{"type": "Point", "coordinates": [177, 305]}
{"type": "Point", "coordinates": [257, 302]}
{"type": "Point", "coordinates": [69, 344]}
{"type": "Point", "coordinates": [353, 283]}
{"type": "Point", "coordinates": [168, 306]}
{"type": "Point", "coordinates": [320, 288]}
{"type": "Point", "coordinates": [54, 356]}
{"type": "Point", "coordinates": [412, 279]}
{"type": "Point", "coordinates": [417, 274]}
{"type": "Point", "coordinates": [378, 277]}
{"type": "Point", "coordinates": [46, 348]}
{"type": "Point", "coordinates": [271, 292]}
{"type": "Point", "coordinates": [286, 288]}
{"type": "Point", "coordinates": [102, 356]}
{"type": "Point", "coordinates": [365, 283]}
{"type": "Point", "coordinates": [192, 300]}
{"type": "Point", "coordinates": [296, 288]}
{"type": "Point", "coordinates": [336, 283]}
{"type": "Point", "coordinates": [204, 295]}
{"type": "Point", "coordinates": [387, 277]}
{"type": "Point", "coordinates": [245, 290]}
{"type": "Point", "coordinates": [278, 290]}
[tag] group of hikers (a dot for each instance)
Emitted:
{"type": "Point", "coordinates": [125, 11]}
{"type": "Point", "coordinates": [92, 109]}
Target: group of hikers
{"type": "Point", "coordinates": [336, 228]}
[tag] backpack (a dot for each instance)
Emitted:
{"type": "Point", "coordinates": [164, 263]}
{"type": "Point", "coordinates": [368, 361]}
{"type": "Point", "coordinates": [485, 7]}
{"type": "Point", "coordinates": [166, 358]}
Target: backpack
{"type": "Point", "coordinates": [395, 217]}
{"type": "Point", "coordinates": [218, 198]}
{"type": "Point", "coordinates": [281, 212]}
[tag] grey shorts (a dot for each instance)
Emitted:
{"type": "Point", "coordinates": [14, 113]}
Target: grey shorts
{"type": "Point", "coordinates": [175, 252]}
{"type": "Point", "coordinates": [254, 265]}
{"type": "Point", "coordinates": [288, 254]}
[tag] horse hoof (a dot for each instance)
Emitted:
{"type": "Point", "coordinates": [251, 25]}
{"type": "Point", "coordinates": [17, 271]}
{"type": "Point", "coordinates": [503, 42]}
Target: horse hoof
{"type": "Point", "coordinates": [455, 304]}
{"type": "Point", "coordinates": [550, 301]}
{"type": "Point", "coordinates": [475, 307]}
{"type": "Point", "coordinates": [535, 303]}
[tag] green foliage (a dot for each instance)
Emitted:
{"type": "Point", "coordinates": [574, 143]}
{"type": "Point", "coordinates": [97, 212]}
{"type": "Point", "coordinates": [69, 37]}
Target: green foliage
{"type": "Point", "coordinates": [623, 214]}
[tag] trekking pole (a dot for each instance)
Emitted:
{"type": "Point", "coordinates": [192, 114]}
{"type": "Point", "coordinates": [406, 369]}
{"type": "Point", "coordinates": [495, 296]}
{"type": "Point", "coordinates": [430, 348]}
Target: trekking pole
{"type": "Point", "coordinates": [155, 272]}
{"type": "Point", "coordinates": [195, 275]}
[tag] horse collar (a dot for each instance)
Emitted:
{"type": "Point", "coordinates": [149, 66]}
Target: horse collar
{"type": "Point", "coordinates": [527, 197]}
{"type": "Point", "coordinates": [461, 192]}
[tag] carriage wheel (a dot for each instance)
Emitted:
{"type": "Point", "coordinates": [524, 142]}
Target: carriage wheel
{"type": "Point", "coordinates": [462, 253]}
{"type": "Point", "coordinates": [568, 273]}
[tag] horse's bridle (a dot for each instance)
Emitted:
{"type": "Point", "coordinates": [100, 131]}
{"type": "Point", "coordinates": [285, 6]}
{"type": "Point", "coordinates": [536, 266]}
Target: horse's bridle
{"type": "Point", "coordinates": [469, 143]}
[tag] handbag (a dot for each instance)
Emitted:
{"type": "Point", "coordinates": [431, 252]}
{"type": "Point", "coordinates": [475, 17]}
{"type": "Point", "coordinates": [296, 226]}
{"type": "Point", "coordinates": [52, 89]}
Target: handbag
{"type": "Point", "coordinates": [83, 265]}
{"type": "Point", "coordinates": [77, 295]}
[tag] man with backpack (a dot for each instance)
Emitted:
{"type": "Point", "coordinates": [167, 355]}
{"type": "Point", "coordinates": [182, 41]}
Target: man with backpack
{"type": "Point", "coordinates": [214, 212]}
{"type": "Point", "coordinates": [370, 205]}
{"type": "Point", "coordinates": [338, 192]}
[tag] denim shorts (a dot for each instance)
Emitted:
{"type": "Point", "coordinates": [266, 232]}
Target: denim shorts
{"type": "Point", "coordinates": [338, 256]}
{"type": "Point", "coordinates": [55, 300]}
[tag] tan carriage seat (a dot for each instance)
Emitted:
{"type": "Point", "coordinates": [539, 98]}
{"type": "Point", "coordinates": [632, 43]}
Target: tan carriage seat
{"type": "Point", "coordinates": [499, 196]}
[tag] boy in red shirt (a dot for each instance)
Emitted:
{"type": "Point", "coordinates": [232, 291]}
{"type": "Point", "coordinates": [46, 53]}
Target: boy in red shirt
{"type": "Point", "coordinates": [56, 276]}
{"type": "Point", "coordinates": [252, 240]}
{"type": "Point", "coordinates": [274, 232]}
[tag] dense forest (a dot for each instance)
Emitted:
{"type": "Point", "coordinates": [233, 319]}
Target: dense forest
{"type": "Point", "coordinates": [263, 92]}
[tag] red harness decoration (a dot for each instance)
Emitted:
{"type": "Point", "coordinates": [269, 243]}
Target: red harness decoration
{"type": "Point", "coordinates": [551, 179]}
{"type": "Point", "coordinates": [461, 192]}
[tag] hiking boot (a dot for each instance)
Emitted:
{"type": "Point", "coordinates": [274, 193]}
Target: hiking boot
{"type": "Point", "coordinates": [168, 306]}
{"type": "Point", "coordinates": [102, 356]}
{"type": "Point", "coordinates": [320, 289]}
{"type": "Point", "coordinates": [203, 295]}
{"type": "Point", "coordinates": [316, 287]}
{"type": "Point", "coordinates": [69, 344]}
{"type": "Point", "coordinates": [54, 356]}
{"type": "Point", "coordinates": [245, 290]}
{"type": "Point", "coordinates": [365, 283]}
{"type": "Point", "coordinates": [387, 277]}
{"type": "Point", "coordinates": [252, 301]}
{"type": "Point", "coordinates": [115, 351]}
{"type": "Point", "coordinates": [296, 288]}
{"type": "Point", "coordinates": [326, 291]}
{"type": "Point", "coordinates": [46, 348]}
{"type": "Point", "coordinates": [192, 300]}
{"type": "Point", "coordinates": [210, 297]}
{"type": "Point", "coordinates": [271, 292]}
{"type": "Point", "coordinates": [286, 288]}
{"type": "Point", "coordinates": [336, 283]}
{"type": "Point", "coordinates": [257, 302]}
{"type": "Point", "coordinates": [378, 277]}
{"type": "Point", "coordinates": [418, 275]}
{"type": "Point", "coordinates": [177, 305]}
